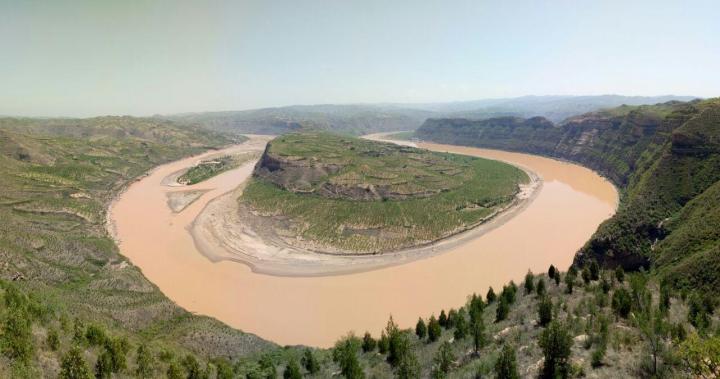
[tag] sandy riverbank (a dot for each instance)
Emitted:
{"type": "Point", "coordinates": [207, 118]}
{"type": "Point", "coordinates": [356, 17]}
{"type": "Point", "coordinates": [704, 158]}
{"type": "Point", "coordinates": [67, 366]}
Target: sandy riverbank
{"type": "Point", "coordinates": [220, 232]}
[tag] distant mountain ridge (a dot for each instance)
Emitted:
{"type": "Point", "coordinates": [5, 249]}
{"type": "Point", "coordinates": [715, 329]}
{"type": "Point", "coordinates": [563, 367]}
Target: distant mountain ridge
{"type": "Point", "coordinates": [360, 119]}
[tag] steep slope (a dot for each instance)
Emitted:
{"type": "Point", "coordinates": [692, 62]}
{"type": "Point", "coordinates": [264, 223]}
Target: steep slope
{"type": "Point", "coordinates": [661, 157]}
{"type": "Point", "coordinates": [58, 177]}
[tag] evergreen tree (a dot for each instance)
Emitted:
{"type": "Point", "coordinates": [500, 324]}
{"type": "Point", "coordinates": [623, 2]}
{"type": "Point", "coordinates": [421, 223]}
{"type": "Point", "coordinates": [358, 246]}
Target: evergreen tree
{"type": "Point", "coordinates": [461, 326]}
{"type": "Point", "coordinates": [570, 281]}
{"type": "Point", "coordinates": [503, 309]}
{"type": "Point", "coordinates": [434, 329]}
{"type": "Point", "coordinates": [556, 343]}
{"type": "Point", "coordinates": [345, 355]}
{"type": "Point", "coordinates": [477, 330]}
{"type": "Point", "coordinates": [74, 366]}
{"type": "Point", "coordinates": [490, 297]}
{"type": "Point", "coordinates": [544, 311]}
{"type": "Point", "coordinates": [540, 288]}
{"type": "Point", "coordinates": [309, 361]}
{"type": "Point", "coordinates": [383, 343]}
{"type": "Point", "coordinates": [529, 282]}
{"type": "Point", "coordinates": [409, 368]}
{"type": "Point", "coordinates": [421, 329]}
{"type": "Point", "coordinates": [551, 272]}
{"type": "Point", "coordinates": [451, 318]}
{"type": "Point", "coordinates": [369, 343]}
{"type": "Point", "coordinates": [557, 278]}
{"type": "Point", "coordinates": [506, 364]}
{"type": "Point", "coordinates": [443, 319]}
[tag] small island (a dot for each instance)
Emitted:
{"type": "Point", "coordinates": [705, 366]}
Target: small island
{"type": "Point", "coordinates": [349, 196]}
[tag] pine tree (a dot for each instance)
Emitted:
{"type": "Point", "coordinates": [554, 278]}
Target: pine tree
{"type": "Point", "coordinates": [490, 297]}
{"type": "Point", "coordinates": [556, 343]}
{"type": "Point", "coordinates": [540, 288]}
{"type": "Point", "coordinates": [420, 329]}
{"type": "Point", "coordinates": [529, 282]}
{"type": "Point", "coordinates": [503, 309]}
{"type": "Point", "coordinates": [551, 272]}
{"type": "Point", "coordinates": [292, 370]}
{"type": "Point", "coordinates": [309, 361]}
{"type": "Point", "coordinates": [434, 329]}
{"type": "Point", "coordinates": [544, 311]}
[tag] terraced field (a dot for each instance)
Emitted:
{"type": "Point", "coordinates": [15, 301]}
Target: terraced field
{"type": "Point", "coordinates": [344, 194]}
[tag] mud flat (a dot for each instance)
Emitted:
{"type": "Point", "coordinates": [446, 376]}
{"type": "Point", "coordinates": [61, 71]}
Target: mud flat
{"type": "Point", "coordinates": [316, 310]}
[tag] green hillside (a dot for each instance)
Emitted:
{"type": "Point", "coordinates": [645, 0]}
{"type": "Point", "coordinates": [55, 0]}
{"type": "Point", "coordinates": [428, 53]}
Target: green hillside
{"type": "Point", "coordinates": [666, 160]}
{"type": "Point", "coordinates": [368, 197]}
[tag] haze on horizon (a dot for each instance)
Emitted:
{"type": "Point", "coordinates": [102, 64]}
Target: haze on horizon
{"type": "Point", "coordinates": [85, 58]}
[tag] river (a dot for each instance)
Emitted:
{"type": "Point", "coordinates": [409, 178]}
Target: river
{"type": "Point", "coordinates": [316, 311]}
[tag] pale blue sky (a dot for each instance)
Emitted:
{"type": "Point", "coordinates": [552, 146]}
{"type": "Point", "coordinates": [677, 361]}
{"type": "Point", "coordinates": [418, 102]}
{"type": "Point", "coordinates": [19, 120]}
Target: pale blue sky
{"type": "Point", "coordinates": [83, 58]}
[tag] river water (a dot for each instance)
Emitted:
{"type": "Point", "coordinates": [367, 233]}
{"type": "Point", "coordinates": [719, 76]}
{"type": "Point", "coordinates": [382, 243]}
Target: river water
{"type": "Point", "coordinates": [316, 311]}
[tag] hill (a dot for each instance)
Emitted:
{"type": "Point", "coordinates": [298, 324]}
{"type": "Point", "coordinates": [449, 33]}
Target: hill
{"type": "Point", "coordinates": [663, 157]}
{"type": "Point", "coordinates": [359, 119]}
{"type": "Point", "coordinates": [368, 197]}
{"type": "Point", "coordinates": [58, 176]}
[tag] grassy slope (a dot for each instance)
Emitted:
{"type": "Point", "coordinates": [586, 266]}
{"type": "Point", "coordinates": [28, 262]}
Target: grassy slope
{"type": "Point", "coordinates": [662, 157]}
{"type": "Point", "coordinates": [58, 178]}
{"type": "Point", "coordinates": [213, 167]}
{"type": "Point", "coordinates": [470, 190]}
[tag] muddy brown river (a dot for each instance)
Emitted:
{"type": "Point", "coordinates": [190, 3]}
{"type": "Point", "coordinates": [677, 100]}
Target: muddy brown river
{"type": "Point", "coordinates": [316, 311]}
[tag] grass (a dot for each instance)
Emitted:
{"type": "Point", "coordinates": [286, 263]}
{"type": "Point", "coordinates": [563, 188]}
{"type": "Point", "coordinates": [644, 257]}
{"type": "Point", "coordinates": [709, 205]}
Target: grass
{"type": "Point", "coordinates": [58, 176]}
{"type": "Point", "coordinates": [464, 191]}
{"type": "Point", "coordinates": [213, 167]}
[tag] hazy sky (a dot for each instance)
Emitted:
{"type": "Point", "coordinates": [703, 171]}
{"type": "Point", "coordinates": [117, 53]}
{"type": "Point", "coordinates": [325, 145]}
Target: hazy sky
{"type": "Point", "coordinates": [80, 58]}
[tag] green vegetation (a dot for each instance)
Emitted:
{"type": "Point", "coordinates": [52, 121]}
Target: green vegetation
{"type": "Point", "coordinates": [666, 160]}
{"type": "Point", "coordinates": [365, 196]}
{"type": "Point", "coordinates": [212, 167]}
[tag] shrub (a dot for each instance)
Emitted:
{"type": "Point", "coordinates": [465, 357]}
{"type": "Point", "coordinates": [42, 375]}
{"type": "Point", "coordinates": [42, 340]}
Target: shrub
{"type": "Point", "coordinates": [345, 355]}
{"type": "Point", "coordinates": [540, 288]}
{"type": "Point", "coordinates": [594, 270]}
{"type": "Point", "coordinates": [292, 370]}
{"type": "Point", "coordinates": [586, 275]}
{"type": "Point", "coordinates": [442, 319]}
{"type": "Point", "coordinates": [529, 282]}
{"type": "Point", "coordinates": [621, 302]}
{"type": "Point", "coordinates": [620, 274]}
{"type": "Point", "coordinates": [309, 361]}
{"type": "Point", "coordinates": [420, 329]}
{"type": "Point", "coordinates": [556, 344]}
{"type": "Point", "coordinates": [570, 281]}
{"type": "Point", "coordinates": [545, 311]}
{"type": "Point", "coordinates": [502, 311]}
{"type": "Point", "coordinates": [557, 278]}
{"type": "Point", "coordinates": [53, 339]}
{"type": "Point", "coordinates": [506, 364]}
{"type": "Point", "coordinates": [17, 341]}
{"type": "Point", "coordinates": [461, 326]}
{"type": "Point", "coordinates": [434, 329]}
{"type": "Point", "coordinates": [490, 297]}
{"type": "Point", "coordinates": [73, 365]}
{"type": "Point", "coordinates": [383, 343]}
{"type": "Point", "coordinates": [443, 361]}
{"type": "Point", "coordinates": [369, 343]}
{"type": "Point", "coordinates": [95, 335]}
{"type": "Point", "coordinates": [144, 361]}
{"type": "Point", "coordinates": [103, 366]}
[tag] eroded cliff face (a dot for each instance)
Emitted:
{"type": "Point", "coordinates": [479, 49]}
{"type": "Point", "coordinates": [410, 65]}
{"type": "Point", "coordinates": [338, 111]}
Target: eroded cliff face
{"type": "Point", "coordinates": [663, 157]}
{"type": "Point", "coordinates": [316, 175]}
